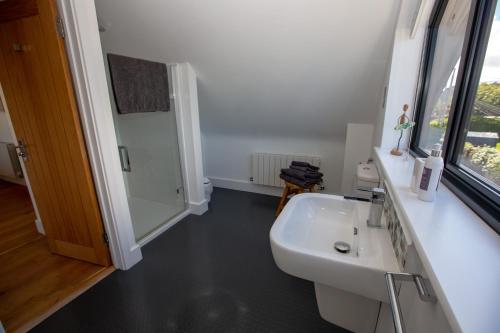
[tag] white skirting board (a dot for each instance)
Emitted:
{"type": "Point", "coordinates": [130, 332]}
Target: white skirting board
{"type": "Point", "coordinates": [163, 228]}
{"type": "Point", "coordinates": [18, 181]}
{"type": "Point", "coordinates": [39, 226]}
{"type": "Point", "coordinates": [194, 208]}
{"type": "Point", "coordinates": [244, 185]}
{"type": "Point", "coordinates": [198, 208]}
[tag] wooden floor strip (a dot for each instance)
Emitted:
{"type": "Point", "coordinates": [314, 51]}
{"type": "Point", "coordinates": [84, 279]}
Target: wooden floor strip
{"type": "Point", "coordinates": [17, 217]}
{"type": "Point", "coordinates": [33, 282]}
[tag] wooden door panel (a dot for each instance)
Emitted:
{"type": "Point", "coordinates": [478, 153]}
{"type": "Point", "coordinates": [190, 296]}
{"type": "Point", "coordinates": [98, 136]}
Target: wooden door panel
{"type": "Point", "coordinates": [32, 127]}
{"type": "Point", "coordinates": [58, 157]}
{"type": "Point", "coordinates": [16, 9]}
{"type": "Point", "coordinates": [20, 103]}
{"type": "Point", "coordinates": [36, 81]}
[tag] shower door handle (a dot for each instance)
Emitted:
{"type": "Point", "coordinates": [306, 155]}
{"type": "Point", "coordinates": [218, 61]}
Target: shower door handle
{"type": "Point", "coordinates": [124, 159]}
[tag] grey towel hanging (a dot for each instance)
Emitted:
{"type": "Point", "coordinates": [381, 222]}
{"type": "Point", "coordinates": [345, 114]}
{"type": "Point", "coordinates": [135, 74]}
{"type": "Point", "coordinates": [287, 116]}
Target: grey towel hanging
{"type": "Point", "coordinates": [139, 85]}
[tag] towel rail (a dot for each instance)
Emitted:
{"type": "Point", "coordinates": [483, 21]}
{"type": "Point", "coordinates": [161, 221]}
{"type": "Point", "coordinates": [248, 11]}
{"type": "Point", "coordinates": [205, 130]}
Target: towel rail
{"type": "Point", "coordinates": [424, 292]}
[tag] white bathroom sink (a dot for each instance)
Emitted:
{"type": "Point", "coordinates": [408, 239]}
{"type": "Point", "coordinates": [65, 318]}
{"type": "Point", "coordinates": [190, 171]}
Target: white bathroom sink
{"type": "Point", "coordinates": [303, 237]}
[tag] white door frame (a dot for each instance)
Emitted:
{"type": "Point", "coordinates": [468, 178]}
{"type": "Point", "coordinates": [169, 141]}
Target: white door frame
{"type": "Point", "coordinates": [83, 48]}
{"type": "Point", "coordinates": [84, 51]}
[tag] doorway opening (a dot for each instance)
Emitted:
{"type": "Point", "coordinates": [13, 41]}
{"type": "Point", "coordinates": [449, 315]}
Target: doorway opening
{"type": "Point", "coordinates": [47, 177]}
{"type": "Point", "coordinates": [34, 283]}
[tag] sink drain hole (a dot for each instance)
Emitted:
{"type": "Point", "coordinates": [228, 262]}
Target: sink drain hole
{"type": "Point", "coordinates": [342, 247]}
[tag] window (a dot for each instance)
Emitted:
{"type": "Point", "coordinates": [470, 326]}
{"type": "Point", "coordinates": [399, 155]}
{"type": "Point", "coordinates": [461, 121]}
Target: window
{"type": "Point", "coordinates": [458, 103]}
{"type": "Point", "coordinates": [480, 147]}
{"type": "Point", "coordinates": [443, 66]}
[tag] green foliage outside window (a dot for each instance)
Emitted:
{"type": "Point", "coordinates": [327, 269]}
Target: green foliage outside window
{"type": "Point", "coordinates": [485, 159]}
{"type": "Point", "coordinates": [477, 124]}
{"type": "Point", "coordinates": [489, 93]}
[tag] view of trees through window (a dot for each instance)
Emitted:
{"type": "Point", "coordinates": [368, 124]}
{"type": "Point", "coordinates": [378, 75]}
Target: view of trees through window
{"type": "Point", "coordinates": [458, 101]}
{"type": "Point", "coordinates": [481, 151]}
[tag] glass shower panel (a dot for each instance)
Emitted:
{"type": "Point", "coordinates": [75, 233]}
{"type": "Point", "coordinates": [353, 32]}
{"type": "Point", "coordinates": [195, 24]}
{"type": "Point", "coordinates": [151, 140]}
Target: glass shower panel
{"type": "Point", "coordinates": [149, 152]}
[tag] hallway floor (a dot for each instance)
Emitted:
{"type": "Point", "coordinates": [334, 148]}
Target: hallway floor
{"type": "Point", "coordinates": [210, 273]}
{"type": "Point", "coordinates": [17, 217]}
{"type": "Point", "coordinates": [33, 282]}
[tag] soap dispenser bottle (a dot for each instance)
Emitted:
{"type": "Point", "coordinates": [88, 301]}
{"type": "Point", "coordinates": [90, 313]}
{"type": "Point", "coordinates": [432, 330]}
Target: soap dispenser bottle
{"type": "Point", "coordinates": [431, 175]}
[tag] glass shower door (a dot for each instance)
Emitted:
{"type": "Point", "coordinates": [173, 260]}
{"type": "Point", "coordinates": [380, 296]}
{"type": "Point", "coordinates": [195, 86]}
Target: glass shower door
{"type": "Point", "coordinates": [149, 152]}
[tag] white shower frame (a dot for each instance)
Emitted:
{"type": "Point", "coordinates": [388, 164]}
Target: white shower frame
{"type": "Point", "coordinates": [84, 52]}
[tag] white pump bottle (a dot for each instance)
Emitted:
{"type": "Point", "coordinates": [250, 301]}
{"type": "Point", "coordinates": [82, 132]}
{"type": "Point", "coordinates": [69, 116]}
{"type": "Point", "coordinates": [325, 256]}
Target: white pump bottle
{"type": "Point", "coordinates": [431, 175]}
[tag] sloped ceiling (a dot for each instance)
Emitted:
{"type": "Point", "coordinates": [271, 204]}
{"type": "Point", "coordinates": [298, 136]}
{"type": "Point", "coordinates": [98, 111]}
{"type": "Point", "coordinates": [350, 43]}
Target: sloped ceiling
{"type": "Point", "coordinates": [266, 67]}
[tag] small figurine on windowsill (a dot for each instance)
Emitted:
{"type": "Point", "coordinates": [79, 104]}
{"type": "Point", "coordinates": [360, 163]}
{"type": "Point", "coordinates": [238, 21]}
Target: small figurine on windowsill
{"type": "Point", "coordinates": [403, 124]}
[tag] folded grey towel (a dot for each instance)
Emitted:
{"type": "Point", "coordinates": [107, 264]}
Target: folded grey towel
{"type": "Point", "coordinates": [307, 170]}
{"type": "Point", "coordinates": [299, 182]}
{"type": "Point", "coordinates": [301, 168]}
{"type": "Point", "coordinates": [305, 164]}
{"type": "Point", "coordinates": [301, 174]}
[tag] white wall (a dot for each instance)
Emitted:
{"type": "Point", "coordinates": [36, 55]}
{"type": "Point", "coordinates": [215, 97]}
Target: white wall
{"type": "Point", "coordinates": [404, 72]}
{"type": "Point", "coordinates": [7, 172]}
{"type": "Point", "coordinates": [230, 155]}
{"type": "Point", "coordinates": [275, 76]}
{"type": "Point", "coordinates": [5, 134]}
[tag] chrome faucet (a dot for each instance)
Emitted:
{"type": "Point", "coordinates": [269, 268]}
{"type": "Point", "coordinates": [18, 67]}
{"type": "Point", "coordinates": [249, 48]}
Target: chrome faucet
{"type": "Point", "coordinates": [377, 206]}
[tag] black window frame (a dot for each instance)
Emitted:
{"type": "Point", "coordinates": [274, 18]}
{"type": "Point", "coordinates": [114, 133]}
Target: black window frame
{"type": "Point", "coordinates": [477, 193]}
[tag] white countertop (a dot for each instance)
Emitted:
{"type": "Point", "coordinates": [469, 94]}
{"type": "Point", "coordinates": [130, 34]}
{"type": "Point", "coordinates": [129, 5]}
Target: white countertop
{"type": "Point", "coordinates": [459, 251]}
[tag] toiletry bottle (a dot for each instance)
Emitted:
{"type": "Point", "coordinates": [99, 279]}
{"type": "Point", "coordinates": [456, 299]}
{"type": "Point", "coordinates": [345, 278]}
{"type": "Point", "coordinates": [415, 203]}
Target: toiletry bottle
{"type": "Point", "coordinates": [431, 174]}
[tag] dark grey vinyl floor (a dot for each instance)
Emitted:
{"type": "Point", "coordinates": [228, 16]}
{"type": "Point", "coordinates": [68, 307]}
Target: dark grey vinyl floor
{"type": "Point", "coordinates": [210, 273]}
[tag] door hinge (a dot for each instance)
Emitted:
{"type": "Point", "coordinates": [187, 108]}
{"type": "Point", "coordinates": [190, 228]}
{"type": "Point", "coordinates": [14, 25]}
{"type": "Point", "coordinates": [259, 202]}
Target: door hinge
{"type": "Point", "coordinates": [105, 237]}
{"type": "Point", "coordinates": [60, 26]}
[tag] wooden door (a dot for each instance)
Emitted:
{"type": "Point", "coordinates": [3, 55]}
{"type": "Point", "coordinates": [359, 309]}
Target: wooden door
{"type": "Point", "coordinates": [35, 78]}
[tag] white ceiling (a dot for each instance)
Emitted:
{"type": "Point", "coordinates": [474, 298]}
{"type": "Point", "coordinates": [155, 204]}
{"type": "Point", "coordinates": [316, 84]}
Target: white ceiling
{"type": "Point", "coordinates": [266, 67]}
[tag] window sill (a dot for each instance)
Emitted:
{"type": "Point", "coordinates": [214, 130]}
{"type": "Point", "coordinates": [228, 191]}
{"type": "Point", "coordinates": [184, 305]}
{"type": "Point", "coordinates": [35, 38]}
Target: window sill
{"type": "Point", "coordinates": [459, 251]}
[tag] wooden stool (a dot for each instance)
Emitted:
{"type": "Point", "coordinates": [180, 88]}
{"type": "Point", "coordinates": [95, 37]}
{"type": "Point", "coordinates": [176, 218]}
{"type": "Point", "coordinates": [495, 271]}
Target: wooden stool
{"type": "Point", "coordinates": [291, 189]}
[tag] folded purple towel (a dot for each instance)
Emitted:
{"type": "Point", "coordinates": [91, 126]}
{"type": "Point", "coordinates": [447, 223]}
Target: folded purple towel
{"type": "Point", "coordinates": [305, 164]}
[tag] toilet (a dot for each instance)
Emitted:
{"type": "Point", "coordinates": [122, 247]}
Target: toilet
{"type": "Point", "coordinates": [367, 177]}
{"type": "Point", "coordinates": [209, 188]}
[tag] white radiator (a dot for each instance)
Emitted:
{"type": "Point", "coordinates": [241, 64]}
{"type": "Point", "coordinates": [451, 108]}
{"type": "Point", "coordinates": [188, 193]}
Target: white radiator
{"type": "Point", "coordinates": [266, 167]}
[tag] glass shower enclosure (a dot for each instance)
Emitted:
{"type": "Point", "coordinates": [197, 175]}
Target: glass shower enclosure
{"type": "Point", "coordinates": [150, 160]}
